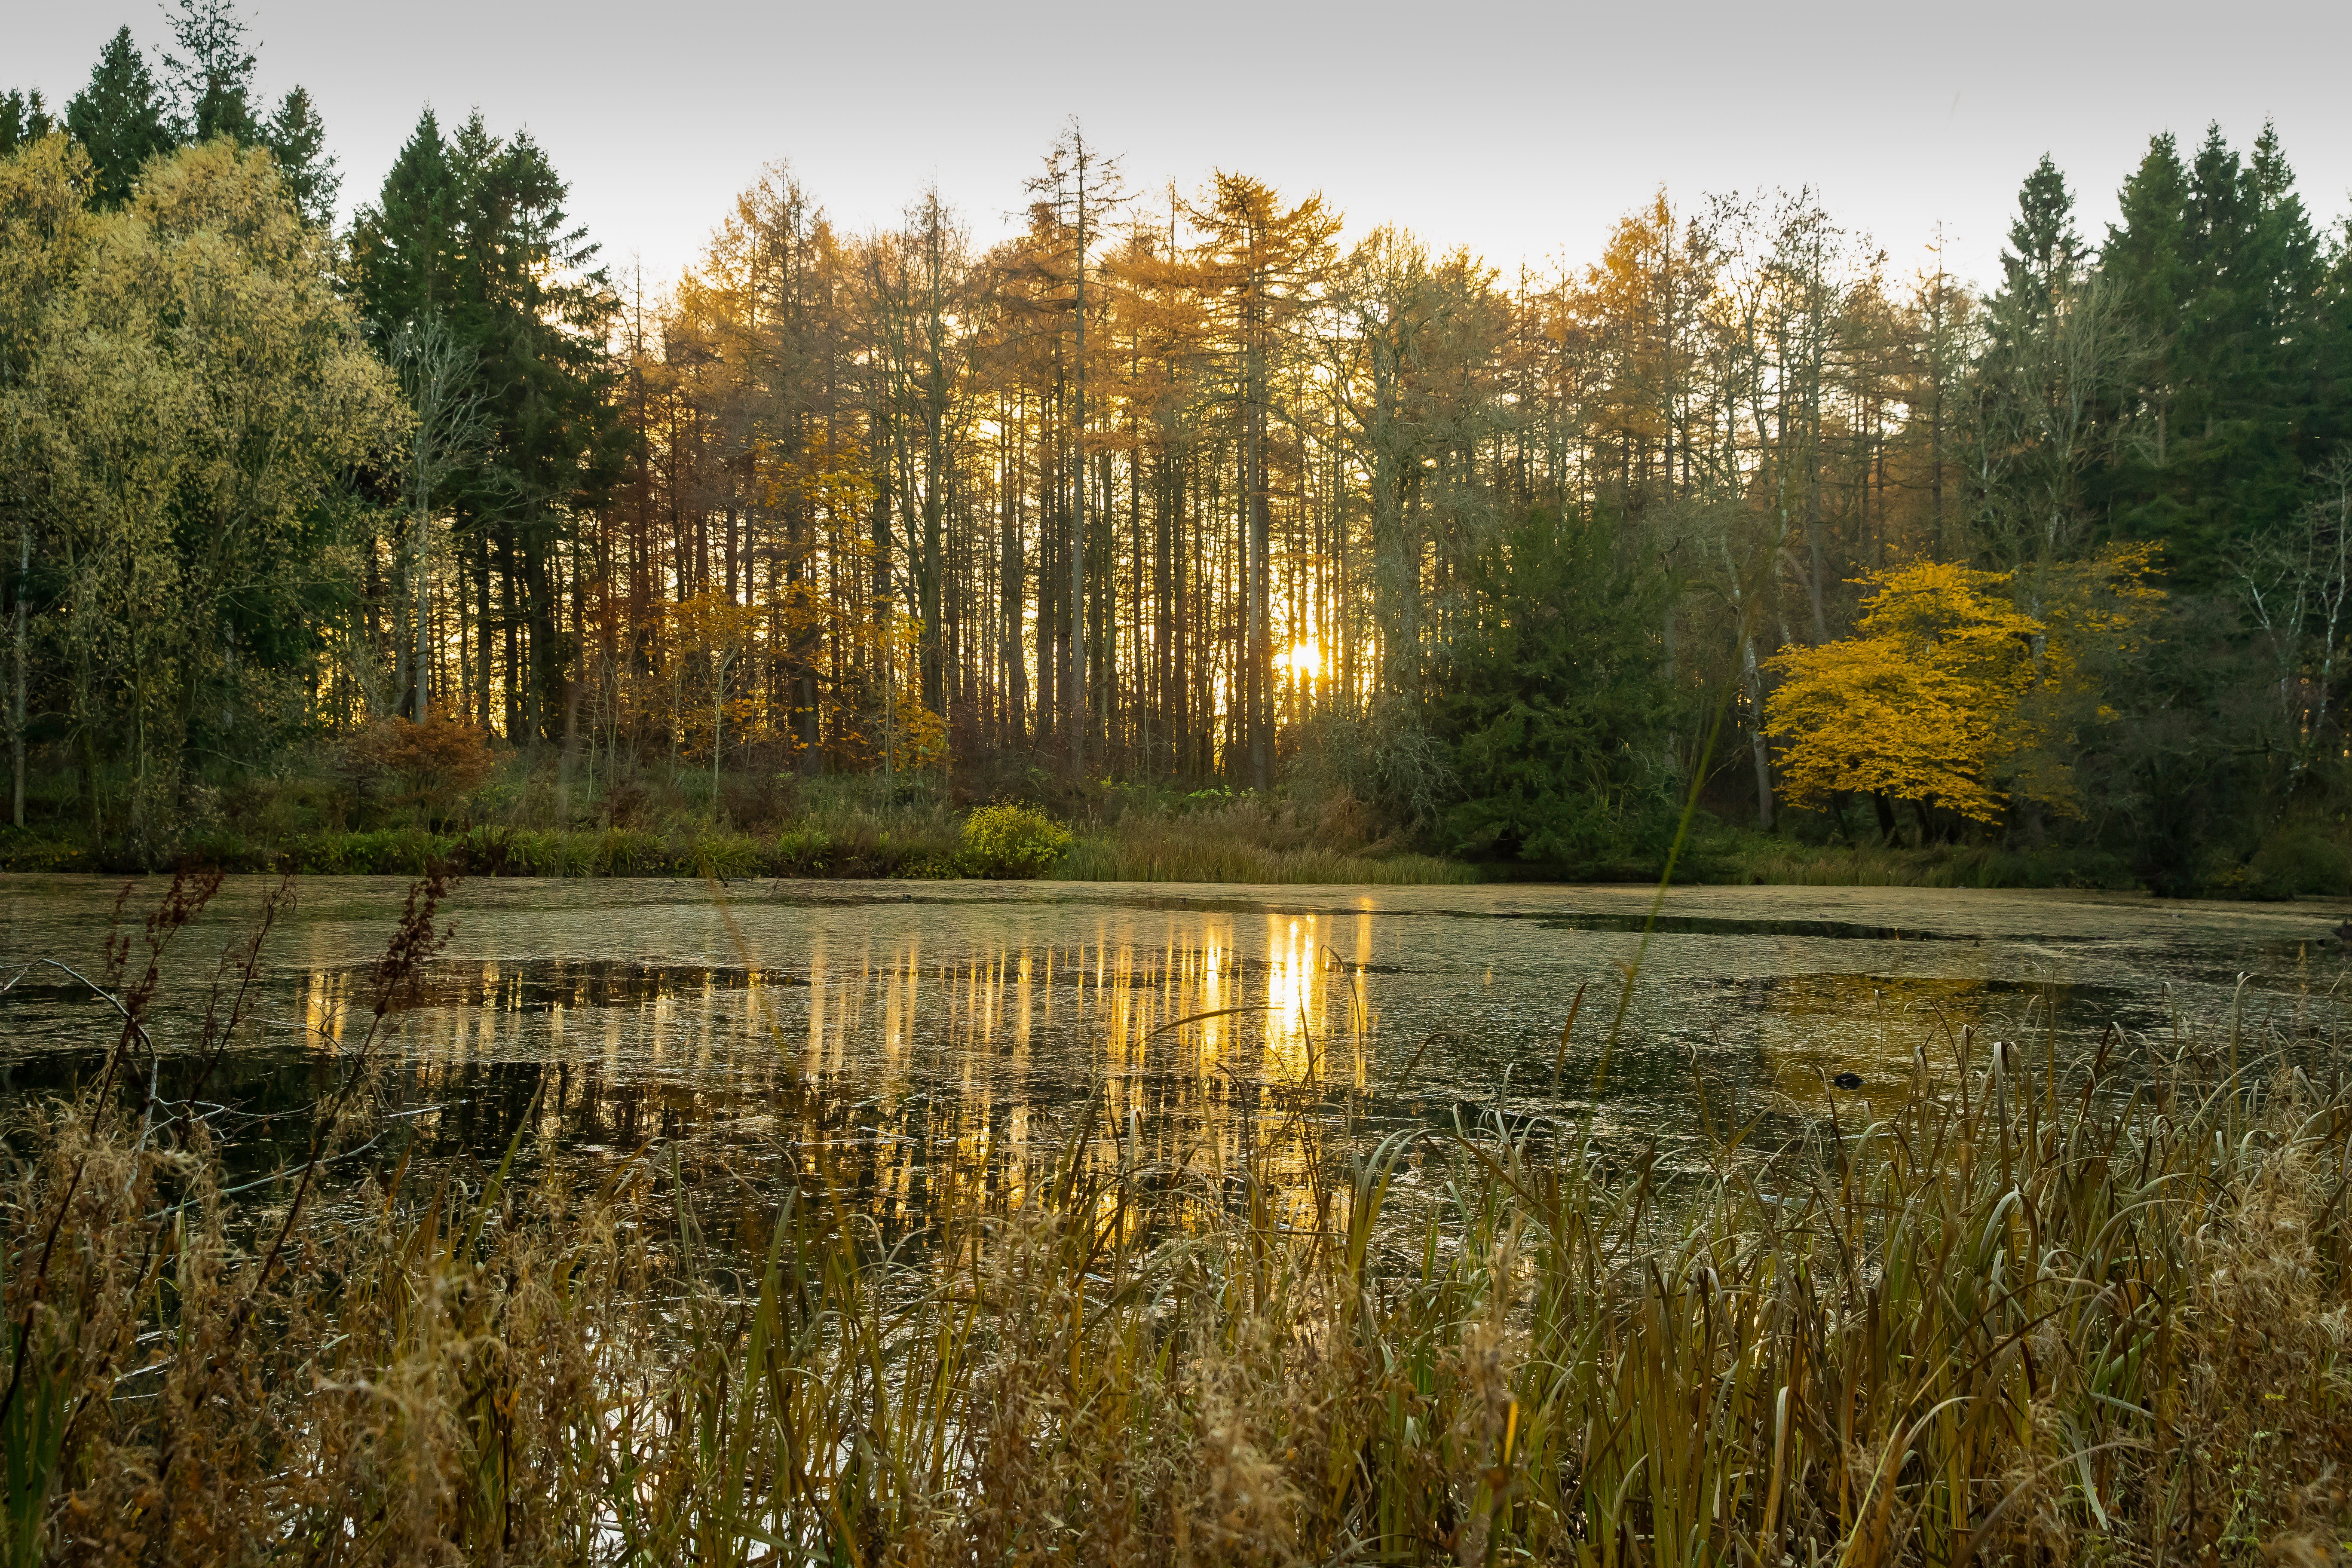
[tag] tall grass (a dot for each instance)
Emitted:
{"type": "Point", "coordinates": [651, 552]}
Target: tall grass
{"type": "Point", "coordinates": [2014, 1310]}
{"type": "Point", "coordinates": [1127, 856]}
{"type": "Point", "coordinates": [1250, 840]}
{"type": "Point", "coordinates": [1748, 857]}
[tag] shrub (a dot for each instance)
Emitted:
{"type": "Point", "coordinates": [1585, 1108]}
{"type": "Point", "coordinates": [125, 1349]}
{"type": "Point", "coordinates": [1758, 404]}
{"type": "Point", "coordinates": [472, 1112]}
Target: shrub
{"type": "Point", "coordinates": [803, 852]}
{"type": "Point", "coordinates": [22, 849]}
{"type": "Point", "coordinates": [1006, 840]}
{"type": "Point", "coordinates": [749, 802]}
{"type": "Point", "coordinates": [627, 851]}
{"type": "Point", "coordinates": [2298, 859]}
{"type": "Point", "coordinates": [403, 851]}
{"type": "Point", "coordinates": [433, 766]}
{"type": "Point", "coordinates": [726, 856]}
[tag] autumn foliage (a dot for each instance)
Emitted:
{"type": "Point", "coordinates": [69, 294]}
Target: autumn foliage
{"type": "Point", "coordinates": [1950, 695]}
{"type": "Point", "coordinates": [434, 765]}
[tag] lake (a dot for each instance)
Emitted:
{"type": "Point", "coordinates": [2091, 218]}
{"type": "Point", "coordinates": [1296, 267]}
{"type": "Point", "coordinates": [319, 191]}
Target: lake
{"type": "Point", "coordinates": [941, 1038]}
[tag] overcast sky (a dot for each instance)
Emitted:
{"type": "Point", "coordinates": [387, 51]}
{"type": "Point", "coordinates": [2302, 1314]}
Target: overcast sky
{"type": "Point", "coordinates": [1521, 130]}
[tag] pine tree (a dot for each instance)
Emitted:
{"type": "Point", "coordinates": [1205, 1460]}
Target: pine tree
{"type": "Point", "coordinates": [119, 118]}
{"type": "Point", "coordinates": [1552, 695]}
{"type": "Point", "coordinates": [2225, 276]}
{"type": "Point", "coordinates": [2059, 346]}
{"type": "Point", "coordinates": [471, 231]}
{"type": "Point", "coordinates": [2144, 253]}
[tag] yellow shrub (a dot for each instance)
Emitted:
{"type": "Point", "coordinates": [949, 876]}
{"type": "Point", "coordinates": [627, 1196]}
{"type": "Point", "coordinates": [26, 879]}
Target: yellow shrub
{"type": "Point", "coordinates": [1008, 840]}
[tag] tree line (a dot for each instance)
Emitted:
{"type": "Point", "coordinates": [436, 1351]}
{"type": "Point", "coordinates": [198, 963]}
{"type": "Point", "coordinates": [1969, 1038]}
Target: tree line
{"type": "Point", "coordinates": [1179, 484]}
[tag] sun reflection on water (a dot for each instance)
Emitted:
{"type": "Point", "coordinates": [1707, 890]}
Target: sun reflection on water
{"type": "Point", "coordinates": [941, 1059]}
{"type": "Point", "coordinates": [944, 1075]}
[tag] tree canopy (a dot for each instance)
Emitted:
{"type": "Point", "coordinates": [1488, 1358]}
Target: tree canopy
{"type": "Point", "coordinates": [1194, 484]}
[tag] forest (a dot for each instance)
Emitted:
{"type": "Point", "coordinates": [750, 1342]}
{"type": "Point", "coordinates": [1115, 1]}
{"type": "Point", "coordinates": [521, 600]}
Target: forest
{"type": "Point", "coordinates": [1248, 538]}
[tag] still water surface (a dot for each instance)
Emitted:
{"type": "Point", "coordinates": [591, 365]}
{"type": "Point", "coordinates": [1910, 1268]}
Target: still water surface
{"type": "Point", "coordinates": [940, 1036]}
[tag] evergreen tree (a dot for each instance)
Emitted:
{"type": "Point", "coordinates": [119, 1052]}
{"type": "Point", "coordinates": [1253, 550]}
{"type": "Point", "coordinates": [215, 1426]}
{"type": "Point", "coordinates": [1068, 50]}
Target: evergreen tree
{"type": "Point", "coordinates": [404, 246]}
{"type": "Point", "coordinates": [297, 136]}
{"type": "Point", "coordinates": [1556, 702]}
{"type": "Point", "coordinates": [471, 231]}
{"type": "Point", "coordinates": [2045, 254]}
{"type": "Point", "coordinates": [24, 119]}
{"type": "Point", "coordinates": [212, 72]}
{"type": "Point", "coordinates": [2226, 278]}
{"type": "Point", "coordinates": [119, 118]}
{"type": "Point", "coordinates": [2144, 253]}
{"type": "Point", "coordinates": [2058, 345]}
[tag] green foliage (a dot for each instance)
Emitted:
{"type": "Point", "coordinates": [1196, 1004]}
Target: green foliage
{"type": "Point", "coordinates": [186, 399]}
{"type": "Point", "coordinates": [2242, 388]}
{"type": "Point", "coordinates": [24, 850]}
{"type": "Point", "coordinates": [296, 138]}
{"type": "Point", "coordinates": [1006, 840]}
{"type": "Point", "coordinates": [211, 71]}
{"type": "Point", "coordinates": [1721, 855]}
{"type": "Point", "coordinates": [24, 119]}
{"type": "Point", "coordinates": [2303, 858]}
{"type": "Point", "coordinates": [2177, 776]}
{"type": "Point", "coordinates": [471, 231]}
{"type": "Point", "coordinates": [728, 856]}
{"type": "Point", "coordinates": [383, 852]}
{"type": "Point", "coordinates": [803, 852]}
{"type": "Point", "coordinates": [120, 119]}
{"type": "Point", "coordinates": [626, 852]}
{"type": "Point", "coordinates": [1555, 702]}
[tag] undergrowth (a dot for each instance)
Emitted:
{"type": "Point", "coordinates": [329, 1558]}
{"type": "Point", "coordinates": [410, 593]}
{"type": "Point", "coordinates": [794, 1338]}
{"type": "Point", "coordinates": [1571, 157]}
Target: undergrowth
{"type": "Point", "coordinates": [1754, 858]}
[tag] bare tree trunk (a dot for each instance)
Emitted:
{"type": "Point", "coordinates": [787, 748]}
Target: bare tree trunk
{"type": "Point", "coordinates": [1760, 747]}
{"type": "Point", "coordinates": [1075, 698]}
{"type": "Point", "coordinates": [16, 705]}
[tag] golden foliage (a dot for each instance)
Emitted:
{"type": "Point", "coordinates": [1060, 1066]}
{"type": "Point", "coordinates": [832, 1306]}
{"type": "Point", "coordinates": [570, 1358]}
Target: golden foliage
{"type": "Point", "coordinates": [1950, 695]}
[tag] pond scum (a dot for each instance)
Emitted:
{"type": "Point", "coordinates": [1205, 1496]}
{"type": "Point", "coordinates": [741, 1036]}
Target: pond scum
{"type": "Point", "coordinates": [2039, 1312]}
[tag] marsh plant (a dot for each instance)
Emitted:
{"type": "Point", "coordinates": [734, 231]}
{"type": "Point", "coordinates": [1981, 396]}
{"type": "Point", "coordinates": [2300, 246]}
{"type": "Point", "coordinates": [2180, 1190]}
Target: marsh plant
{"type": "Point", "coordinates": [2018, 1310]}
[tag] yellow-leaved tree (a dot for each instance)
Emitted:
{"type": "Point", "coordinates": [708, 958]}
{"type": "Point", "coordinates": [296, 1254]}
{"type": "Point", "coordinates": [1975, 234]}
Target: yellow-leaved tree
{"type": "Point", "coordinates": [1950, 696]}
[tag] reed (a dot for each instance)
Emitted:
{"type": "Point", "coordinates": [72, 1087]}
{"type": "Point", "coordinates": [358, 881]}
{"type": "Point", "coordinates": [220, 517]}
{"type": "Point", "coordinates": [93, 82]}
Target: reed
{"type": "Point", "coordinates": [2017, 1310]}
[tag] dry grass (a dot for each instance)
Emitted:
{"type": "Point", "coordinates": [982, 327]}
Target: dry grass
{"type": "Point", "coordinates": [2031, 1312]}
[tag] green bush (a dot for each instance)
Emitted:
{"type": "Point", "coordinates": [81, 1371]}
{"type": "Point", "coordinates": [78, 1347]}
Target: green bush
{"type": "Point", "coordinates": [391, 851]}
{"type": "Point", "coordinates": [22, 849]}
{"type": "Point", "coordinates": [726, 856]}
{"type": "Point", "coordinates": [627, 852]}
{"type": "Point", "coordinates": [2298, 859]}
{"type": "Point", "coordinates": [803, 852]}
{"type": "Point", "coordinates": [1555, 701]}
{"type": "Point", "coordinates": [1008, 840]}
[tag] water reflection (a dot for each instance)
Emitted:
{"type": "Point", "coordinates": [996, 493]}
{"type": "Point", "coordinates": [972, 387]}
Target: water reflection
{"type": "Point", "coordinates": [924, 1075]}
{"type": "Point", "coordinates": [937, 1049]}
